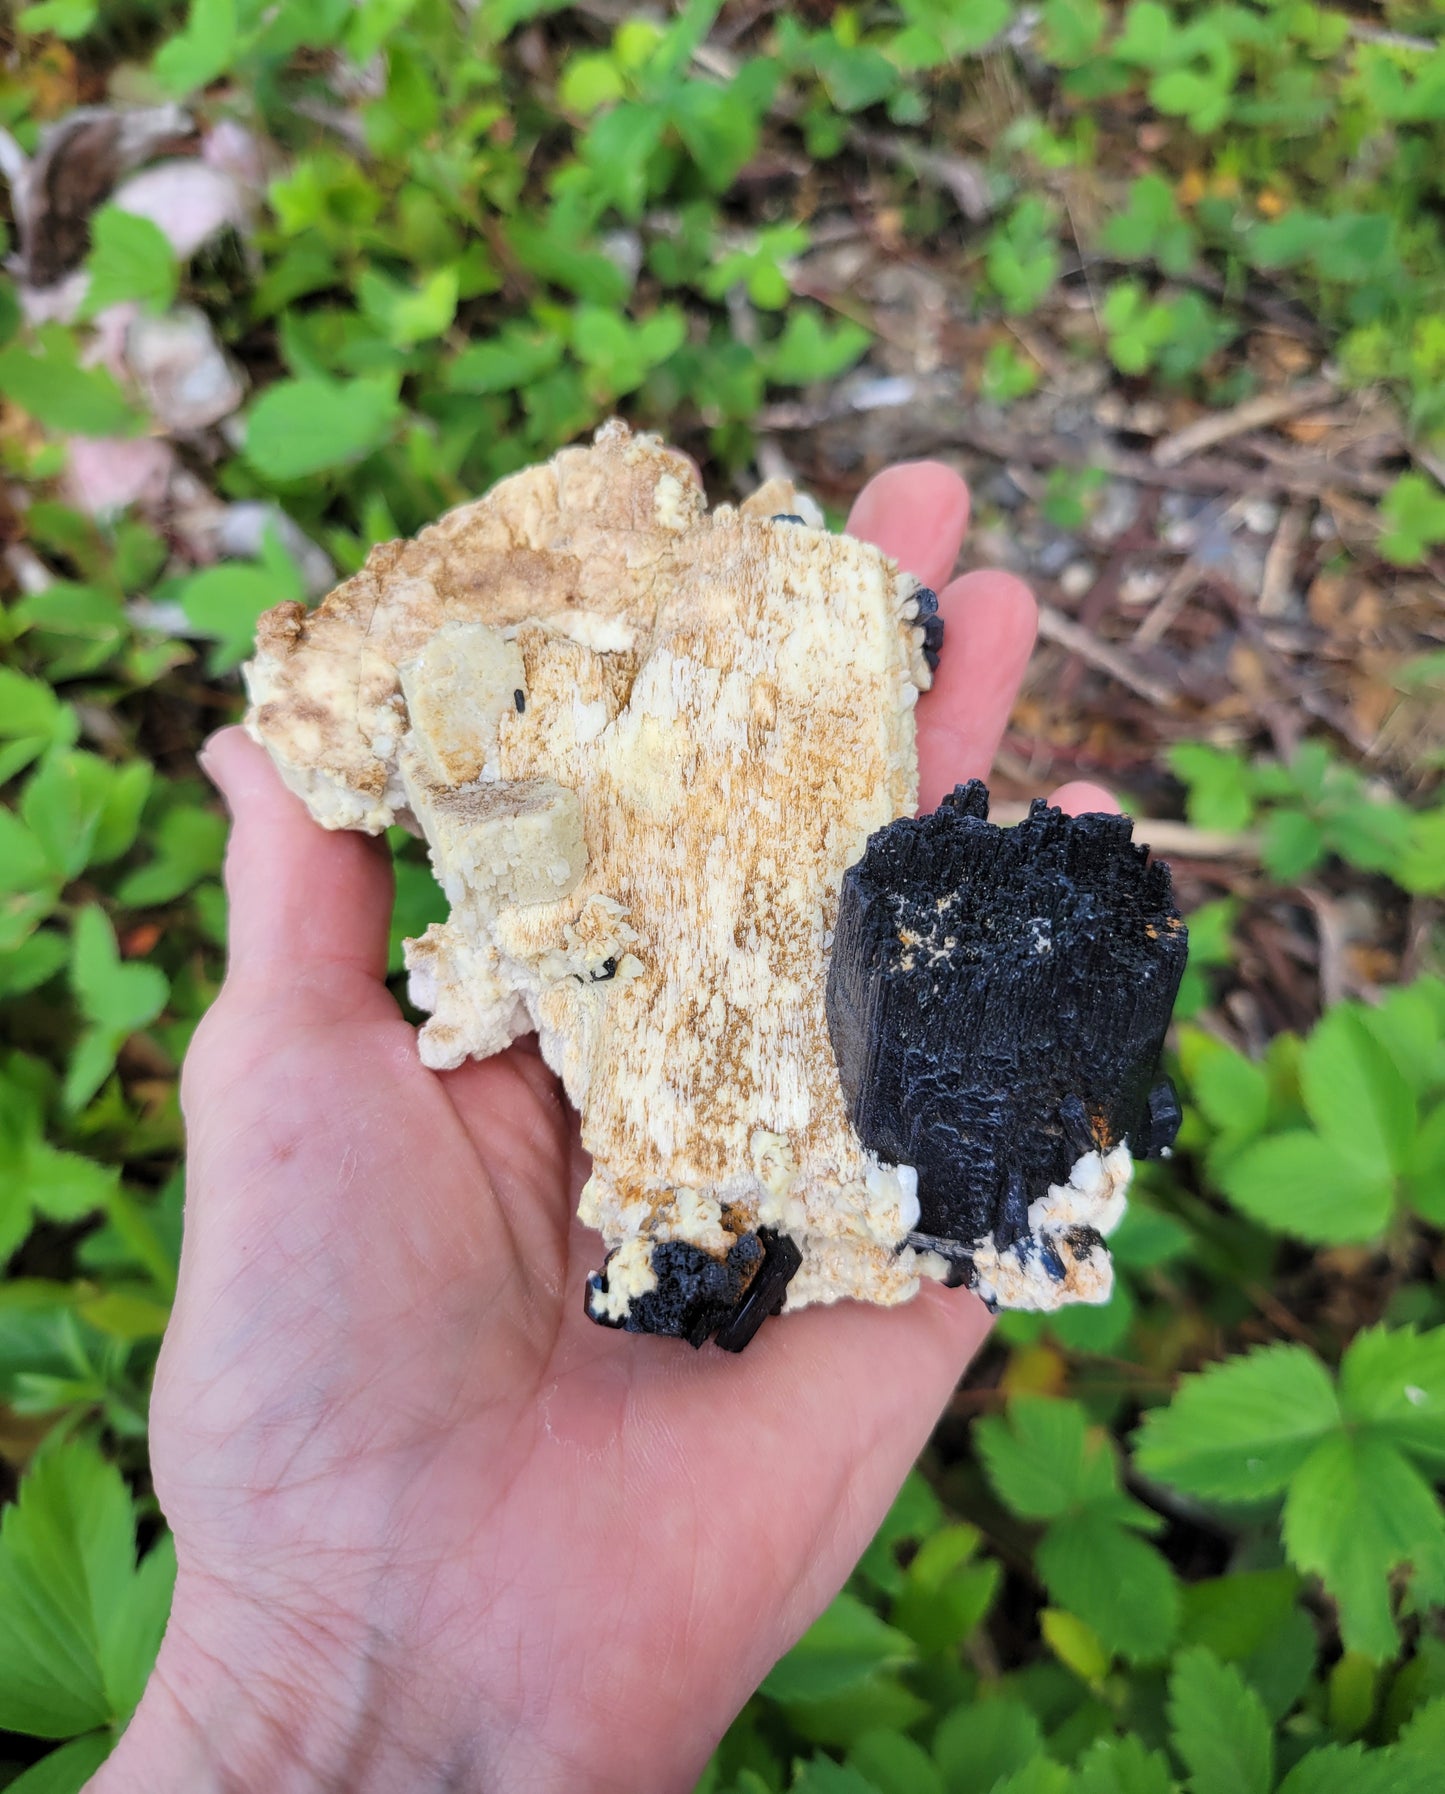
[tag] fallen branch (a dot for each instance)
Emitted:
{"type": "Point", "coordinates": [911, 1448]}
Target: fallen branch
{"type": "Point", "coordinates": [1252, 414]}
{"type": "Point", "coordinates": [1054, 626]}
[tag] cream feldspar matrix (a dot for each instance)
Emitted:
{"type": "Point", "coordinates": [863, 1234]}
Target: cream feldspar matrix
{"type": "Point", "coordinates": [648, 745]}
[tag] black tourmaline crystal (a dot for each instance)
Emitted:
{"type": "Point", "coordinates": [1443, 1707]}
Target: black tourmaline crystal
{"type": "Point", "coordinates": [997, 1000]}
{"type": "Point", "coordinates": [699, 1297]}
{"type": "Point", "coordinates": [932, 625]}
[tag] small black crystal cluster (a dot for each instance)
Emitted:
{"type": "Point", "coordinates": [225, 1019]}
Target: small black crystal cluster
{"type": "Point", "coordinates": [699, 1297]}
{"type": "Point", "coordinates": [997, 1001]}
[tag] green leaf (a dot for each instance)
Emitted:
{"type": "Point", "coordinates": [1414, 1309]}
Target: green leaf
{"type": "Point", "coordinates": [1218, 782]}
{"type": "Point", "coordinates": [65, 1185]}
{"type": "Point", "coordinates": [1421, 868]}
{"type": "Point", "coordinates": [1234, 1616]}
{"type": "Point", "coordinates": [83, 811]}
{"type": "Point", "coordinates": [1232, 1091]}
{"type": "Point", "coordinates": [1393, 1383]}
{"type": "Point", "coordinates": [194, 57]}
{"type": "Point", "coordinates": [1241, 1429]}
{"type": "Point", "coordinates": [915, 1514]}
{"type": "Point", "coordinates": [1072, 29]}
{"type": "Point", "coordinates": [32, 718]}
{"type": "Point", "coordinates": [944, 1595]}
{"type": "Point", "coordinates": [810, 350]}
{"type": "Point", "coordinates": [30, 963]}
{"type": "Point", "coordinates": [894, 1764]}
{"type": "Point", "coordinates": [1406, 1025]}
{"type": "Point", "coordinates": [880, 1703]}
{"type": "Point", "coordinates": [508, 364]}
{"type": "Point", "coordinates": [620, 353]}
{"type": "Point", "coordinates": [409, 315]}
{"type": "Point", "coordinates": [44, 377]}
{"type": "Point", "coordinates": [1043, 1460]}
{"type": "Point", "coordinates": [1218, 1728]}
{"type": "Point", "coordinates": [116, 998]}
{"type": "Point", "coordinates": [130, 258]}
{"type": "Point", "coordinates": [1042, 1776]}
{"type": "Point", "coordinates": [1122, 1766]}
{"type": "Point", "coordinates": [977, 1745]}
{"type": "Point", "coordinates": [821, 1775]}
{"type": "Point", "coordinates": [1351, 1769]}
{"type": "Point", "coordinates": [590, 80]}
{"type": "Point", "coordinates": [721, 126]}
{"type": "Point", "coordinates": [1023, 256]}
{"type": "Point", "coordinates": [78, 628]}
{"type": "Point", "coordinates": [1292, 844]}
{"type": "Point", "coordinates": [302, 427]}
{"type": "Point", "coordinates": [1414, 509]}
{"type": "Point", "coordinates": [1150, 227]}
{"type": "Point", "coordinates": [1355, 1094]}
{"type": "Point", "coordinates": [224, 603]}
{"type": "Point", "coordinates": [188, 843]}
{"type": "Point", "coordinates": [1077, 1646]}
{"type": "Point", "coordinates": [1425, 1184]}
{"type": "Point", "coordinates": [842, 1648]}
{"type": "Point", "coordinates": [80, 1632]}
{"type": "Point", "coordinates": [1114, 1581]}
{"type": "Point", "coordinates": [69, 19]}
{"type": "Point", "coordinates": [1299, 1184]}
{"type": "Point", "coordinates": [1356, 1511]}
{"type": "Point", "coordinates": [1424, 1735]}
{"type": "Point", "coordinates": [67, 1770]}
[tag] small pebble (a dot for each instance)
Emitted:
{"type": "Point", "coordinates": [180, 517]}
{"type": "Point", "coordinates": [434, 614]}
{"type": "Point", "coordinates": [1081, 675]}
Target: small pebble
{"type": "Point", "coordinates": [1140, 585]}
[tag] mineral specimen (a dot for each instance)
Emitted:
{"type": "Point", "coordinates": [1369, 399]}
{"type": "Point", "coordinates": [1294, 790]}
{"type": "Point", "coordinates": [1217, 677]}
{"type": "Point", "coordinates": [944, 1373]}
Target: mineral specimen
{"type": "Point", "coordinates": [645, 743]}
{"type": "Point", "coordinates": [997, 999]}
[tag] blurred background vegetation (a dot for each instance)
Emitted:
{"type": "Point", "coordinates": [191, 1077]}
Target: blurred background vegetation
{"type": "Point", "coordinates": [1167, 283]}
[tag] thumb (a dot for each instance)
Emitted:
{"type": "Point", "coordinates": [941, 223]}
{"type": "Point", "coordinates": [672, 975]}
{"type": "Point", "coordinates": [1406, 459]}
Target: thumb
{"type": "Point", "coordinates": [304, 900]}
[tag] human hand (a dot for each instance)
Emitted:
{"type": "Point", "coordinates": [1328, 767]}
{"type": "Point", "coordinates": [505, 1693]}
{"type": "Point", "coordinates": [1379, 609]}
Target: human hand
{"type": "Point", "coordinates": [434, 1528]}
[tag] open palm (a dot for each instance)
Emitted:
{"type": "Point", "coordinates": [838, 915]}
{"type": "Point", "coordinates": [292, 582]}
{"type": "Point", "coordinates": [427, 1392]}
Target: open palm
{"type": "Point", "coordinates": [434, 1528]}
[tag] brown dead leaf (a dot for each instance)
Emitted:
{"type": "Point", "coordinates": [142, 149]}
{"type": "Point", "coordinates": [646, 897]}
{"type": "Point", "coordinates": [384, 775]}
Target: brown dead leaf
{"type": "Point", "coordinates": [1310, 428]}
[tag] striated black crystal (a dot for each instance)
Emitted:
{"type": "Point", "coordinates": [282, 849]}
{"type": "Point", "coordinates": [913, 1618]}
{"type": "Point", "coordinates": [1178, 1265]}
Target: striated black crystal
{"type": "Point", "coordinates": [765, 1293]}
{"type": "Point", "coordinates": [997, 1001]}
{"type": "Point", "coordinates": [699, 1296]}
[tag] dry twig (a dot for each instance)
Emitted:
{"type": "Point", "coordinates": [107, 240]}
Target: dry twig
{"type": "Point", "coordinates": [1252, 414]}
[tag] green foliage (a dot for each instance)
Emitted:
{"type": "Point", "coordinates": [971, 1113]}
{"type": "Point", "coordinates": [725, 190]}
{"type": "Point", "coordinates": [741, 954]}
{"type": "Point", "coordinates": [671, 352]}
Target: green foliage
{"type": "Point", "coordinates": [83, 1620]}
{"type": "Point", "coordinates": [43, 375]}
{"type": "Point", "coordinates": [1047, 1464]}
{"type": "Point", "coordinates": [130, 258]}
{"type": "Point", "coordinates": [1334, 1138]}
{"type": "Point", "coordinates": [1023, 256]}
{"type": "Point", "coordinates": [1311, 809]}
{"type": "Point", "coordinates": [485, 263]}
{"type": "Point", "coordinates": [1352, 1457]}
{"type": "Point", "coordinates": [1414, 509]}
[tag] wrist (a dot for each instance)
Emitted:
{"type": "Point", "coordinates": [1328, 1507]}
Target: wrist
{"type": "Point", "coordinates": [251, 1696]}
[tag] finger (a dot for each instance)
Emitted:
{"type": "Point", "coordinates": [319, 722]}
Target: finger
{"type": "Point", "coordinates": [916, 512]}
{"type": "Point", "coordinates": [302, 898]}
{"type": "Point", "coordinates": [989, 624]}
{"type": "Point", "coordinates": [1080, 798]}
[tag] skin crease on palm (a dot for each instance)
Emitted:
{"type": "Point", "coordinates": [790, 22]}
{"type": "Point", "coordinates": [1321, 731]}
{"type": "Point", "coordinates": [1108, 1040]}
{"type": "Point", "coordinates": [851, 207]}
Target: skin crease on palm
{"type": "Point", "coordinates": [435, 1529]}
